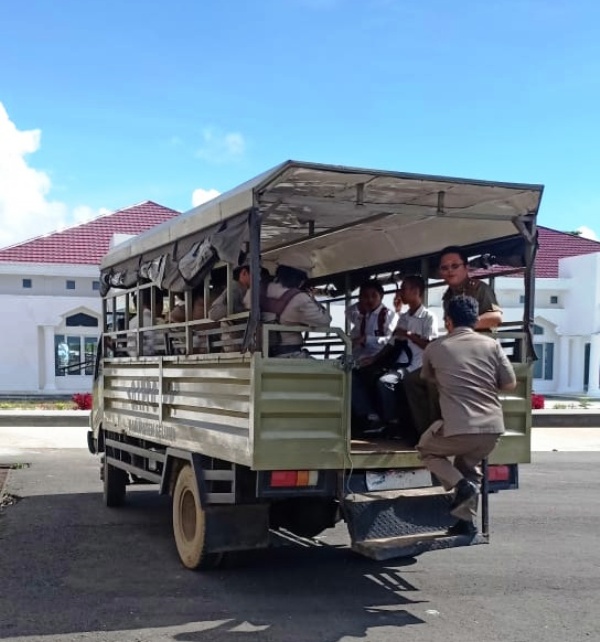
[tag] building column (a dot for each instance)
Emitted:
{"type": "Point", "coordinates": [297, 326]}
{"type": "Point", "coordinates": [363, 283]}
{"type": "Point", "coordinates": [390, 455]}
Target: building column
{"type": "Point", "coordinates": [594, 372]}
{"type": "Point", "coordinates": [577, 364]}
{"type": "Point", "coordinates": [49, 372]}
{"type": "Point", "coordinates": [564, 364]}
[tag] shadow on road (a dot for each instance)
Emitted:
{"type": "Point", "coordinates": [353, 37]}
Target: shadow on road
{"type": "Point", "coordinates": [70, 565]}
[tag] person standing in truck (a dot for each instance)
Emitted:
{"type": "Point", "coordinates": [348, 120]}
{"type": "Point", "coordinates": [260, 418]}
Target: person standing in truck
{"type": "Point", "coordinates": [452, 268]}
{"type": "Point", "coordinates": [454, 271]}
{"type": "Point", "coordinates": [468, 369]}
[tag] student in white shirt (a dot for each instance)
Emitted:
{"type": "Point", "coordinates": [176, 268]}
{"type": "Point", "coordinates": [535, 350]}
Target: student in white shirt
{"type": "Point", "coordinates": [417, 327]}
{"type": "Point", "coordinates": [370, 333]}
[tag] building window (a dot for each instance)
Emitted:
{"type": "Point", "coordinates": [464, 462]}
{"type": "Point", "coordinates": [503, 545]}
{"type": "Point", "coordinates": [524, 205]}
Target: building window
{"type": "Point", "coordinates": [543, 368]}
{"type": "Point", "coordinates": [81, 319]}
{"type": "Point", "coordinates": [537, 329]}
{"type": "Point", "coordinates": [70, 285]}
{"type": "Point", "coordinates": [27, 283]}
{"type": "Point", "coordinates": [75, 352]}
{"type": "Point", "coordinates": [95, 285]}
{"type": "Point", "coordinates": [74, 355]}
{"type": "Point", "coordinates": [553, 300]}
{"type": "Point", "coordinates": [521, 298]}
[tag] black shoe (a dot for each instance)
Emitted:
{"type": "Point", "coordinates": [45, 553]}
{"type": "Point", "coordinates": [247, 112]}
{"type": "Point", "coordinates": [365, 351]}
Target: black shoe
{"type": "Point", "coordinates": [465, 500]}
{"type": "Point", "coordinates": [463, 527]}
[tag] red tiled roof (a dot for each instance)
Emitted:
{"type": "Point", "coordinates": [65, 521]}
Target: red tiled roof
{"type": "Point", "coordinates": [554, 245]}
{"type": "Point", "coordinates": [87, 243]}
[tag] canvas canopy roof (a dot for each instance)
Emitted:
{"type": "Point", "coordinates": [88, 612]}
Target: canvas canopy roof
{"type": "Point", "coordinates": [343, 218]}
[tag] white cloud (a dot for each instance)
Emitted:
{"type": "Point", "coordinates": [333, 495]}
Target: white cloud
{"type": "Point", "coordinates": [84, 213]}
{"type": "Point", "coordinates": [221, 147]}
{"type": "Point", "coordinates": [587, 233]}
{"type": "Point", "coordinates": [25, 207]}
{"type": "Point", "coordinates": [200, 196]}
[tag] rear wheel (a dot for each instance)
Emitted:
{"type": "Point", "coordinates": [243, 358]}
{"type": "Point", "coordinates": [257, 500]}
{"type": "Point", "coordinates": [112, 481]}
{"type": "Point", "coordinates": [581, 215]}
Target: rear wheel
{"type": "Point", "coordinates": [190, 522]}
{"type": "Point", "coordinates": [115, 485]}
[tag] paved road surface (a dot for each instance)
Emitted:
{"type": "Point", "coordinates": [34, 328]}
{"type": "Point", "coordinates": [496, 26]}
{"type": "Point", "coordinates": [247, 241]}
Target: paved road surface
{"type": "Point", "coordinates": [72, 569]}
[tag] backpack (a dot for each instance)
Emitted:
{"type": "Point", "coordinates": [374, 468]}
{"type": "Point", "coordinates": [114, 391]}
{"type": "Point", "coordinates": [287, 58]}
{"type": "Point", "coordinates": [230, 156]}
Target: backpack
{"type": "Point", "coordinates": [276, 306]}
{"type": "Point", "coordinates": [381, 322]}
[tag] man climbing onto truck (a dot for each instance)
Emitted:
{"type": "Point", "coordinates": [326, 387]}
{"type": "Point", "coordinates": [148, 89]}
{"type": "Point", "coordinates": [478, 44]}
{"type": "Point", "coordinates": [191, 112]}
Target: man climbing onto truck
{"type": "Point", "coordinates": [468, 368]}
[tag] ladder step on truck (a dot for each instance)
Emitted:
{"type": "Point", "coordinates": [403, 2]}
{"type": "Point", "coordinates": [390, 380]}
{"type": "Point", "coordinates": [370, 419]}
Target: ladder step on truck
{"type": "Point", "coordinates": [403, 523]}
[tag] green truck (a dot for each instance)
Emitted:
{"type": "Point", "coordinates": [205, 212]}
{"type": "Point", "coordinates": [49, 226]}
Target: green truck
{"type": "Point", "coordinates": [250, 445]}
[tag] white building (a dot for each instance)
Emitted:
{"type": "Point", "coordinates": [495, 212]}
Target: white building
{"type": "Point", "coordinates": [51, 307]}
{"type": "Point", "coordinates": [49, 296]}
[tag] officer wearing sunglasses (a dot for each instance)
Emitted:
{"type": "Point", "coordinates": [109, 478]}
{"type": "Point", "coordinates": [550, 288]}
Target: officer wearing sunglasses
{"type": "Point", "coordinates": [453, 270]}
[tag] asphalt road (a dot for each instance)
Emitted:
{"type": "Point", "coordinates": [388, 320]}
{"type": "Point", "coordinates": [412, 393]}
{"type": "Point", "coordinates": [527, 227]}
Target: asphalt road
{"type": "Point", "coordinates": [71, 569]}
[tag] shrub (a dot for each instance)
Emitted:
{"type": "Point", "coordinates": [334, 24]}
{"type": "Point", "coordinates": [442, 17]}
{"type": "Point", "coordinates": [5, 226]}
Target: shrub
{"type": "Point", "coordinates": [83, 400]}
{"type": "Point", "coordinates": [537, 401]}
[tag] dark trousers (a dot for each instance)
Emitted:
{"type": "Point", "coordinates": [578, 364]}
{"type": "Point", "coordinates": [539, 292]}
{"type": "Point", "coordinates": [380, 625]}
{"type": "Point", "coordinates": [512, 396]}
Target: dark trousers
{"type": "Point", "coordinates": [423, 400]}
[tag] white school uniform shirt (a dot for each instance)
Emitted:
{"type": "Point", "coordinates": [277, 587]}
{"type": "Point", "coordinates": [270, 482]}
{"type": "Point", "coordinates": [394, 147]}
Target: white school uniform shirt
{"type": "Point", "coordinates": [374, 338]}
{"type": "Point", "coordinates": [424, 323]}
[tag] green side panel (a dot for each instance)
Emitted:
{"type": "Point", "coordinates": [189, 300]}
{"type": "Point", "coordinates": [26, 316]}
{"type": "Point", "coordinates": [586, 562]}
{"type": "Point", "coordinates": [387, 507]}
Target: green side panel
{"type": "Point", "coordinates": [196, 405]}
{"type": "Point", "coordinates": [301, 414]}
{"type": "Point", "coordinates": [515, 445]}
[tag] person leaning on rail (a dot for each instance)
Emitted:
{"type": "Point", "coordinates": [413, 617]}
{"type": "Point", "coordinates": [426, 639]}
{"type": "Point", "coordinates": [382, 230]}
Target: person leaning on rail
{"type": "Point", "coordinates": [454, 271]}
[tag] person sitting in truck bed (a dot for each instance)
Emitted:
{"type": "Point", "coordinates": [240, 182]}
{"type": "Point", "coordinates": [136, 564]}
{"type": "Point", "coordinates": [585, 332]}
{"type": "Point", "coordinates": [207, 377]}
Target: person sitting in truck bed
{"type": "Point", "coordinates": [371, 320]}
{"type": "Point", "coordinates": [284, 301]}
{"type": "Point", "coordinates": [417, 327]}
{"type": "Point", "coordinates": [177, 314]}
{"type": "Point", "coordinates": [239, 287]}
{"type": "Point", "coordinates": [370, 333]}
{"type": "Point", "coordinates": [231, 341]}
{"type": "Point", "coordinates": [151, 341]}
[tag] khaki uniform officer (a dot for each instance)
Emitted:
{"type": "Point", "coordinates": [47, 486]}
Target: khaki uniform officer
{"type": "Point", "coordinates": [453, 269]}
{"type": "Point", "coordinates": [469, 369]}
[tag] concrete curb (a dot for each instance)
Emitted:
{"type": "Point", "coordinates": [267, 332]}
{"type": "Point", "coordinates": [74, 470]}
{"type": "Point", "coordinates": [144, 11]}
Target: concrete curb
{"type": "Point", "coordinates": [570, 418]}
{"type": "Point", "coordinates": [565, 418]}
{"type": "Point", "coordinates": [34, 418]}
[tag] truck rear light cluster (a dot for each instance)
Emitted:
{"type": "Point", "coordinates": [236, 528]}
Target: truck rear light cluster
{"type": "Point", "coordinates": [294, 478]}
{"type": "Point", "coordinates": [499, 473]}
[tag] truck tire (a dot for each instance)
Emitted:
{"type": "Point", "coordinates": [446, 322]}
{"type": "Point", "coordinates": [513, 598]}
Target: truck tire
{"type": "Point", "coordinates": [189, 523]}
{"type": "Point", "coordinates": [114, 484]}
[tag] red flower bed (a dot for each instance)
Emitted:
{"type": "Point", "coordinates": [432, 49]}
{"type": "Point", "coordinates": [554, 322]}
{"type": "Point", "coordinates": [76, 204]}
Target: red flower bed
{"type": "Point", "coordinates": [537, 401]}
{"type": "Point", "coordinates": [83, 400]}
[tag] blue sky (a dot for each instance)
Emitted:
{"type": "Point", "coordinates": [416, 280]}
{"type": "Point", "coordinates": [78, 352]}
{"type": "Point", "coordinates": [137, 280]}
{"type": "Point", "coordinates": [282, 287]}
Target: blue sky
{"type": "Point", "coordinates": [108, 103]}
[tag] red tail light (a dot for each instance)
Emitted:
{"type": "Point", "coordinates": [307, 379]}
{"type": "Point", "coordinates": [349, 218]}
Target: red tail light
{"type": "Point", "coordinates": [499, 473]}
{"type": "Point", "coordinates": [293, 478]}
